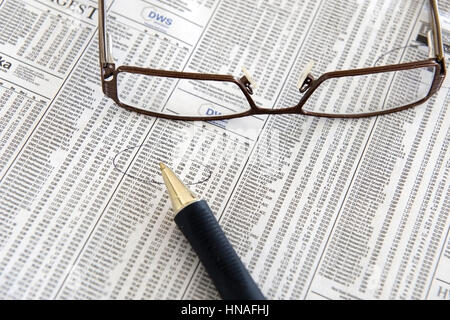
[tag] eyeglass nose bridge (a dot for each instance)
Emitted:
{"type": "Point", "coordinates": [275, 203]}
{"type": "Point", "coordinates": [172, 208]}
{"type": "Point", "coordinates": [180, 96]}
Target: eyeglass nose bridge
{"type": "Point", "coordinates": [307, 83]}
{"type": "Point", "coordinates": [247, 84]}
{"type": "Point", "coordinates": [306, 79]}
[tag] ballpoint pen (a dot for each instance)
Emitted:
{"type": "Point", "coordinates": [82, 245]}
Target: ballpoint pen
{"type": "Point", "coordinates": [197, 222]}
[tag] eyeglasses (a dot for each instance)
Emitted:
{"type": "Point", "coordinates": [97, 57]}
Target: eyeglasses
{"type": "Point", "coordinates": [355, 93]}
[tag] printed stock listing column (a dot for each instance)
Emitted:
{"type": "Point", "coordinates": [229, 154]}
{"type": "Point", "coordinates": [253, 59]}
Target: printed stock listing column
{"type": "Point", "coordinates": [391, 227]}
{"type": "Point", "coordinates": [86, 212]}
{"type": "Point", "coordinates": [62, 177]}
{"type": "Point", "coordinates": [268, 44]}
{"type": "Point", "coordinates": [135, 250]}
{"type": "Point", "coordinates": [38, 47]}
{"type": "Point", "coordinates": [40, 43]}
{"type": "Point", "coordinates": [336, 185]}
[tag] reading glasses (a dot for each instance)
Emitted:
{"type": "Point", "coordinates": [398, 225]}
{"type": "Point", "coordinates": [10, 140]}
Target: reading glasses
{"type": "Point", "coordinates": [388, 87]}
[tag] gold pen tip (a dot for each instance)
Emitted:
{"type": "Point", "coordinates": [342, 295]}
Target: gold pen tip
{"type": "Point", "coordinates": [179, 194]}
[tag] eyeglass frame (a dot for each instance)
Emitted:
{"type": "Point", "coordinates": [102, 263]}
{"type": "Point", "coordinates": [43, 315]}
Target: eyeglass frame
{"type": "Point", "coordinates": [109, 75]}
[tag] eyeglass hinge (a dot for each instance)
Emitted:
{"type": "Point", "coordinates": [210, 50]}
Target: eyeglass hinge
{"type": "Point", "coordinates": [108, 70]}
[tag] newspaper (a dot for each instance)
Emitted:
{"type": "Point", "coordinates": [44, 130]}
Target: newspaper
{"type": "Point", "coordinates": [316, 208]}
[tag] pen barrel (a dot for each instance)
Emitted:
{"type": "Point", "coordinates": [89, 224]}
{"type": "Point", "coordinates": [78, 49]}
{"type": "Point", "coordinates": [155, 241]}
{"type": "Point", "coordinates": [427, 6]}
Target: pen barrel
{"type": "Point", "coordinates": [201, 228]}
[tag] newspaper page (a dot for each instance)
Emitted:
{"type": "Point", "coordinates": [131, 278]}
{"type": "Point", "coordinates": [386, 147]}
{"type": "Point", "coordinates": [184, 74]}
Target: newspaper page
{"type": "Point", "coordinates": [317, 208]}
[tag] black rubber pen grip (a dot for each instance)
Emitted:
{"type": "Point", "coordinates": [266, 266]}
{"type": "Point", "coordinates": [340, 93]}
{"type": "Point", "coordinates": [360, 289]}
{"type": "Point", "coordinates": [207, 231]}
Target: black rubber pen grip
{"type": "Point", "coordinates": [231, 278]}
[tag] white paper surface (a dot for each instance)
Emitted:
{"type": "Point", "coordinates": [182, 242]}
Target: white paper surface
{"type": "Point", "coordinates": [316, 208]}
